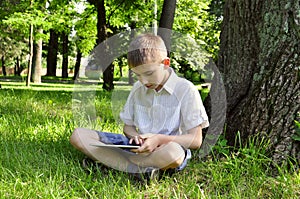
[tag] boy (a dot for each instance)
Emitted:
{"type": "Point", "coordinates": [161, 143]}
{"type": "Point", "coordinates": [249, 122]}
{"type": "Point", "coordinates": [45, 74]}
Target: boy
{"type": "Point", "coordinates": [163, 114]}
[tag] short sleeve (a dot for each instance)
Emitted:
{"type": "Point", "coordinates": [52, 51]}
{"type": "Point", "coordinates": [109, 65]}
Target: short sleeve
{"type": "Point", "coordinates": [126, 115]}
{"type": "Point", "coordinates": [192, 109]}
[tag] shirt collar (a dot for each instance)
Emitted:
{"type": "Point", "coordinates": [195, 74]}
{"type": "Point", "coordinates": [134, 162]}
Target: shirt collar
{"type": "Point", "coordinates": [170, 84]}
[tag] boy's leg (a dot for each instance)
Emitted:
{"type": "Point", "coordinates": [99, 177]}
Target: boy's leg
{"type": "Point", "coordinates": [83, 138]}
{"type": "Point", "coordinates": [167, 156]}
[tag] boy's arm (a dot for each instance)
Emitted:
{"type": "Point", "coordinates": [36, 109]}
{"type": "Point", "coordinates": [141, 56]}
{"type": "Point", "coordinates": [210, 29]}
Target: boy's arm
{"type": "Point", "coordinates": [130, 131]}
{"type": "Point", "coordinates": [192, 139]}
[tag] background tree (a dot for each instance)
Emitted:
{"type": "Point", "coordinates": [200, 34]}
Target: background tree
{"type": "Point", "coordinates": [13, 42]}
{"type": "Point", "coordinates": [111, 15]}
{"type": "Point", "coordinates": [85, 37]}
{"type": "Point", "coordinates": [61, 17]}
{"type": "Point", "coordinates": [36, 74]}
{"type": "Point", "coordinates": [196, 20]}
{"type": "Point", "coordinates": [52, 53]}
{"type": "Point", "coordinates": [259, 57]}
{"type": "Point", "coordinates": [28, 17]}
{"type": "Point", "coordinates": [63, 24]}
{"type": "Point", "coordinates": [166, 21]}
{"type": "Point", "coordinates": [102, 35]}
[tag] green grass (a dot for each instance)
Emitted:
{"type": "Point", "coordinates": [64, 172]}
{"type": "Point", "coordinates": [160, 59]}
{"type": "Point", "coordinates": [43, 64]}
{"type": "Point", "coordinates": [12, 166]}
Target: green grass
{"type": "Point", "coordinates": [37, 161]}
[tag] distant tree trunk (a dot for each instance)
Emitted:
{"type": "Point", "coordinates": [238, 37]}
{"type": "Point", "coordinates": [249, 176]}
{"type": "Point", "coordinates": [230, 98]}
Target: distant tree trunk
{"type": "Point", "coordinates": [3, 65]}
{"type": "Point", "coordinates": [166, 22]}
{"type": "Point", "coordinates": [154, 21]}
{"type": "Point", "coordinates": [130, 73]}
{"type": "Point", "coordinates": [108, 74]}
{"type": "Point", "coordinates": [77, 64]}
{"type": "Point", "coordinates": [52, 53]}
{"type": "Point", "coordinates": [17, 67]}
{"type": "Point", "coordinates": [65, 49]}
{"type": "Point", "coordinates": [121, 70]}
{"type": "Point", "coordinates": [30, 55]}
{"type": "Point", "coordinates": [259, 58]}
{"type": "Point", "coordinates": [37, 60]}
{"type": "Point", "coordinates": [108, 78]}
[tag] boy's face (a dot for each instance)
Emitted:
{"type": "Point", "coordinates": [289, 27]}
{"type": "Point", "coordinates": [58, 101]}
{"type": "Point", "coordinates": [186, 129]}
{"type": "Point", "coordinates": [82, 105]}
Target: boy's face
{"type": "Point", "coordinates": [153, 75]}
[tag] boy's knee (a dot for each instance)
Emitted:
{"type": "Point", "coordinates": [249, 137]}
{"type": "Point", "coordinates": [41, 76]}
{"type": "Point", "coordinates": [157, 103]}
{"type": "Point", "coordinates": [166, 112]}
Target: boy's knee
{"type": "Point", "coordinates": [174, 155]}
{"type": "Point", "coordinates": [75, 138]}
{"type": "Point", "coordinates": [174, 150]}
{"type": "Point", "coordinates": [81, 137]}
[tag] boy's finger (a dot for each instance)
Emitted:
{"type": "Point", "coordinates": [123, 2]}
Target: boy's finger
{"type": "Point", "coordinates": [141, 152]}
{"type": "Point", "coordinates": [136, 140]}
{"type": "Point", "coordinates": [130, 141]}
{"type": "Point", "coordinates": [141, 141]}
{"type": "Point", "coordinates": [138, 150]}
{"type": "Point", "coordinates": [134, 150]}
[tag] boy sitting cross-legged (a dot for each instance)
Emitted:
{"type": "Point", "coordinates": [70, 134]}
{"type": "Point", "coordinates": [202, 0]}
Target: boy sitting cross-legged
{"type": "Point", "coordinates": [163, 114]}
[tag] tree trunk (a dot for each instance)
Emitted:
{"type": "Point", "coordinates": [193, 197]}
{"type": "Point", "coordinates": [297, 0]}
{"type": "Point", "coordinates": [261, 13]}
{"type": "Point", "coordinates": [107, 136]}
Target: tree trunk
{"type": "Point", "coordinates": [37, 60]}
{"type": "Point", "coordinates": [108, 73]}
{"type": "Point", "coordinates": [108, 78]}
{"type": "Point", "coordinates": [132, 35]}
{"type": "Point", "coordinates": [65, 41]}
{"type": "Point", "coordinates": [77, 64]}
{"type": "Point", "coordinates": [52, 54]}
{"type": "Point", "coordinates": [3, 65]}
{"type": "Point", "coordinates": [17, 66]}
{"type": "Point", "coordinates": [166, 22]}
{"type": "Point", "coordinates": [30, 55]}
{"type": "Point", "coordinates": [121, 70]}
{"type": "Point", "coordinates": [259, 58]}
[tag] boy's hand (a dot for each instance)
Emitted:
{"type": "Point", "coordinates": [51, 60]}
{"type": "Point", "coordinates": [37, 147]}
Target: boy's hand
{"type": "Point", "coordinates": [139, 139]}
{"type": "Point", "coordinates": [150, 143]}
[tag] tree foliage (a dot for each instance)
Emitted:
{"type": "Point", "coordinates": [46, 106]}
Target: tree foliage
{"type": "Point", "coordinates": [201, 27]}
{"type": "Point", "coordinates": [13, 42]}
{"type": "Point", "coordinates": [78, 19]}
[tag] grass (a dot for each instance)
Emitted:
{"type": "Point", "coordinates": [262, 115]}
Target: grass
{"type": "Point", "coordinates": [37, 160]}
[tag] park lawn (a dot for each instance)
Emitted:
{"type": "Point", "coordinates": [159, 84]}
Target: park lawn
{"type": "Point", "coordinates": [37, 160]}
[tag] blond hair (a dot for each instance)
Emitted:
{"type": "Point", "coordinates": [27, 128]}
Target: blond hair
{"type": "Point", "coordinates": [145, 49]}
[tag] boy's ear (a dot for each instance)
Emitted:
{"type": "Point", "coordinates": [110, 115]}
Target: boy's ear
{"type": "Point", "coordinates": [167, 62]}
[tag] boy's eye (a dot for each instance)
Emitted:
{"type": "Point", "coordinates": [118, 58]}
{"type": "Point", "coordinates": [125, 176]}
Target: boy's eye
{"type": "Point", "coordinates": [149, 73]}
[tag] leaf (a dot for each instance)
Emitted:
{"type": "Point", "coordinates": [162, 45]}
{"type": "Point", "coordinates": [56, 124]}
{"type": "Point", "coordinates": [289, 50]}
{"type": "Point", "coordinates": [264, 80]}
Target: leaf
{"type": "Point", "coordinates": [297, 134]}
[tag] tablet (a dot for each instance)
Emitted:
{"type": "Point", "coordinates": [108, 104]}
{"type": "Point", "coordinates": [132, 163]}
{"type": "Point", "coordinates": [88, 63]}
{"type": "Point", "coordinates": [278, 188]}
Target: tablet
{"type": "Point", "coordinates": [117, 146]}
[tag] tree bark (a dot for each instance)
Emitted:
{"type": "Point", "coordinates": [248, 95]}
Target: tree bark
{"type": "Point", "coordinates": [77, 64]}
{"type": "Point", "coordinates": [166, 22]}
{"type": "Point", "coordinates": [108, 74]}
{"type": "Point", "coordinates": [259, 58]}
{"type": "Point", "coordinates": [52, 53]}
{"type": "Point", "coordinates": [36, 72]}
{"type": "Point", "coordinates": [17, 66]}
{"type": "Point", "coordinates": [3, 65]}
{"type": "Point", "coordinates": [65, 61]}
{"type": "Point", "coordinates": [132, 35]}
{"type": "Point", "coordinates": [108, 78]}
{"type": "Point", "coordinates": [30, 55]}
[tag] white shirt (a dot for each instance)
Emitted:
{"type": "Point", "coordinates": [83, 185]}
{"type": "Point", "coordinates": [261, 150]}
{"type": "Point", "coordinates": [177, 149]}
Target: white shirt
{"type": "Point", "coordinates": [174, 109]}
